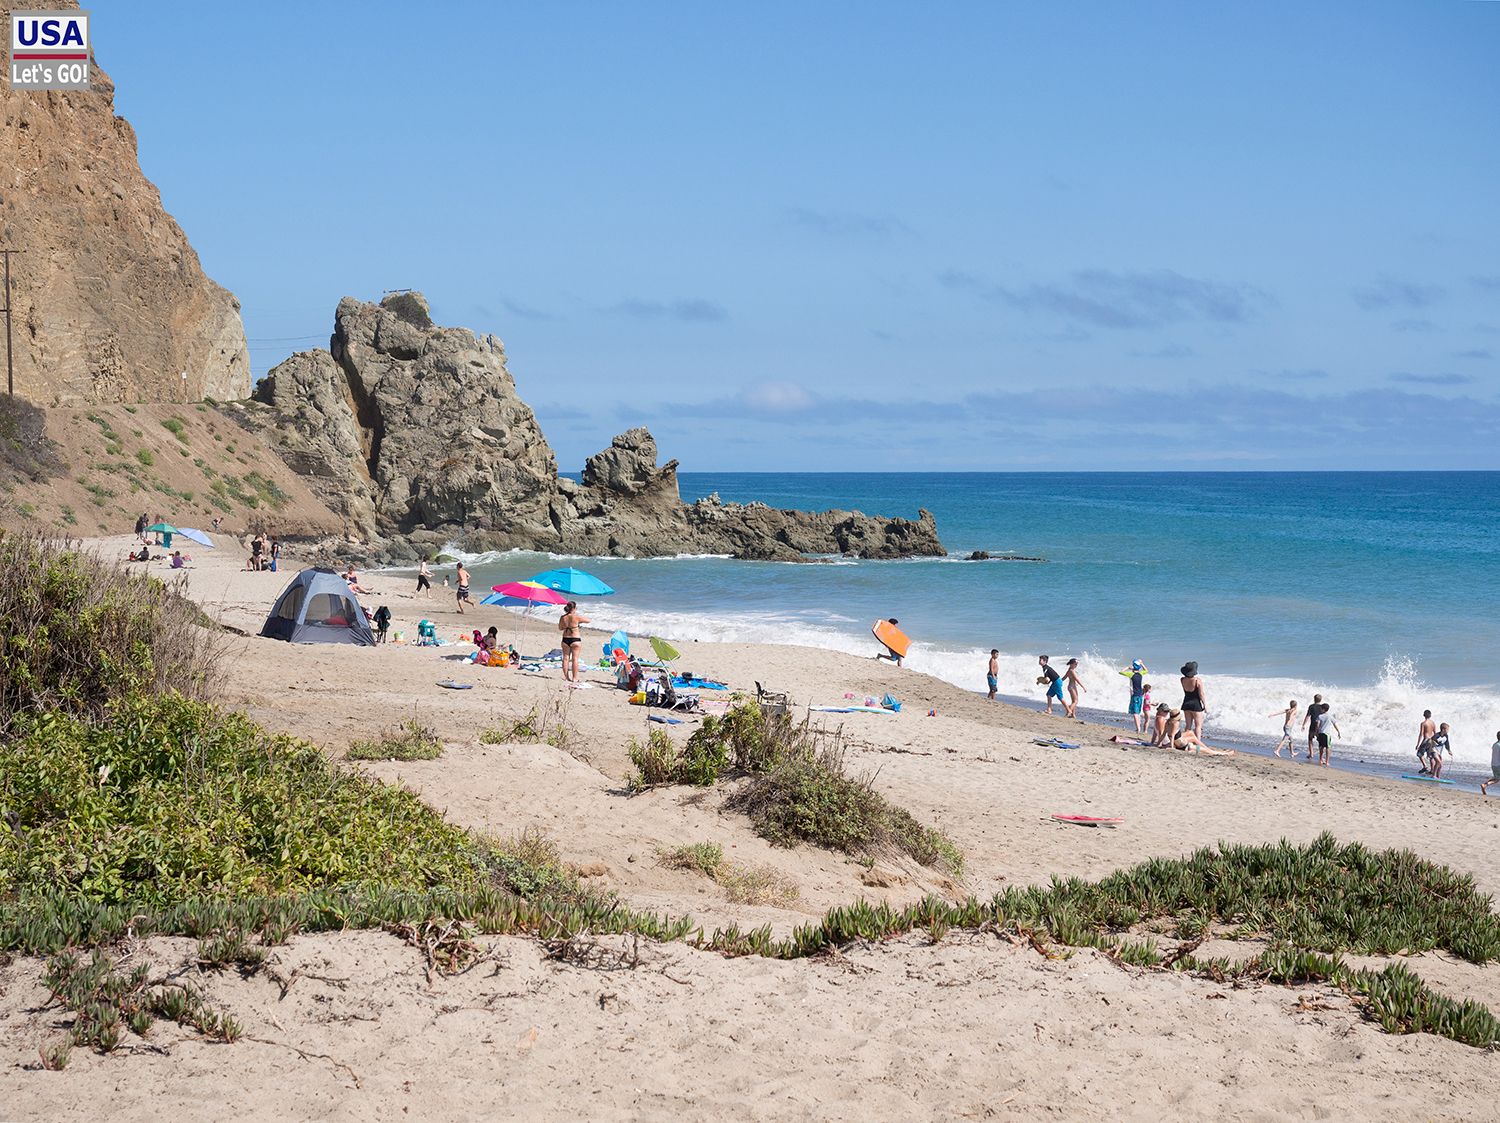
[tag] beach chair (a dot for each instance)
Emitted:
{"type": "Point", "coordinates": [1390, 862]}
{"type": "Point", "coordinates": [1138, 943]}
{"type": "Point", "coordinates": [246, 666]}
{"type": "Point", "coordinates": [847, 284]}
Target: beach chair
{"type": "Point", "coordinates": [772, 704]}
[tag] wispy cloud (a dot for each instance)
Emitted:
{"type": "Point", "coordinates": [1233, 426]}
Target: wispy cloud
{"type": "Point", "coordinates": [1490, 282]}
{"type": "Point", "coordinates": [1389, 293]}
{"type": "Point", "coordinates": [1309, 374]}
{"type": "Point", "coordinates": [689, 311]}
{"type": "Point", "coordinates": [846, 223]}
{"type": "Point", "coordinates": [1414, 326]}
{"type": "Point", "coordinates": [1107, 299]}
{"type": "Point", "coordinates": [1432, 379]}
{"type": "Point", "coordinates": [1170, 351]}
{"type": "Point", "coordinates": [1477, 353]}
{"type": "Point", "coordinates": [524, 311]}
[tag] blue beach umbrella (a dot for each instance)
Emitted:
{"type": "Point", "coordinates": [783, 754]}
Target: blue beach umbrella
{"type": "Point", "coordinates": [574, 582]}
{"type": "Point", "coordinates": [197, 536]}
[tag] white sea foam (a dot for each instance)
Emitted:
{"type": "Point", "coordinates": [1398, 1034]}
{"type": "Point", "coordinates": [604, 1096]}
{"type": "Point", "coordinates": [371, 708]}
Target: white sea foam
{"type": "Point", "coordinates": [1378, 719]}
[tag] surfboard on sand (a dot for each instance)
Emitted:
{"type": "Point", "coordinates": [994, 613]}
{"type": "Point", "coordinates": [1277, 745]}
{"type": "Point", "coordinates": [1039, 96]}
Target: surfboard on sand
{"type": "Point", "coordinates": [449, 684]}
{"type": "Point", "coordinates": [1428, 779]}
{"type": "Point", "coordinates": [1055, 743]}
{"type": "Point", "coordinates": [893, 637]}
{"type": "Point", "coordinates": [1088, 820]}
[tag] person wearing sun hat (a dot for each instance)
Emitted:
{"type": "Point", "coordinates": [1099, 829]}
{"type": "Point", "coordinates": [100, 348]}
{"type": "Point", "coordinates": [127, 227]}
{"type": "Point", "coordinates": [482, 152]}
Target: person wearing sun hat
{"type": "Point", "coordinates": [1136, 710]}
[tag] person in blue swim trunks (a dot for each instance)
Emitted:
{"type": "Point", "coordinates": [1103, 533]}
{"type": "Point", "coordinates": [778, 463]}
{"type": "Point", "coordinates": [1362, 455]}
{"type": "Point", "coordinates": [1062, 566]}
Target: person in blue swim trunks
{"type": "Point", "coordinates": [992, 676]}
{"type": "Point", "coordinates": [1053, 681]}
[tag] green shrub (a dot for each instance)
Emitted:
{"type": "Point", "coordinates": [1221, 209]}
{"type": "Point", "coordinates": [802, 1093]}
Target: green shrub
{"type": "Point", "coordinates": [410, 741]}
{"type": "Point", "coordinates": [702, 759]}
{"type": "Point", "coordinates": [177, 427]}
{"type": "Point", "coordinates": [809, 797]}
{"type": "Point", "coordinates": [145, 456]}
{"type": "Point", "coordinates": [655, 760]}
{"type": "Point", "coordinates": [705, 857]}
{"type": "Point", "coordinates": [529, 865]}
{"type": "Point", "coordinates": [167, 799]}
{"type": "Point", "coordinates": [80, 633]}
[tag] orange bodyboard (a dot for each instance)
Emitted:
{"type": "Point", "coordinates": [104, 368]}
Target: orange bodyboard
{"type": "Point", "coordinates": [892, 636]}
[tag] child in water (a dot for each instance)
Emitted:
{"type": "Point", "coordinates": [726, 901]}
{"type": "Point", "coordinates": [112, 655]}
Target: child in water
{"type": "Point", "coordinates": [1287, 716]}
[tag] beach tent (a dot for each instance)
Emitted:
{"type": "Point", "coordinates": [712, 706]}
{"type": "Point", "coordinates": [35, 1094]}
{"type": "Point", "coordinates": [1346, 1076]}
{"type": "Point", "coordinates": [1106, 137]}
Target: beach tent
{"type": "Point", "coordinates": [317, 607]}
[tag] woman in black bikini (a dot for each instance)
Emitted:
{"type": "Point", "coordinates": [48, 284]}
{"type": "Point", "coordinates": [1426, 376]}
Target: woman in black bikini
{"type": "Point", "coordinates": [1193, 703]}
{"type": "Point", "coordinates": [569, 625]}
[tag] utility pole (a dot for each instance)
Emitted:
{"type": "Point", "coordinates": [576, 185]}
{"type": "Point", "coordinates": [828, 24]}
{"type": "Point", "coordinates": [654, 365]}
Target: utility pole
{"type": "Point", "coordinates": [10, 373]}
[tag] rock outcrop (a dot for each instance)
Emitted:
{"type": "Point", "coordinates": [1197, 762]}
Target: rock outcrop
{"type": "Point", "coordinates": [110, 302]}
{"type": "Point", "coordinates": [405, 427]}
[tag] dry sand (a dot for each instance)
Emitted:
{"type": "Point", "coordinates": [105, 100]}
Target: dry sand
{"type": "Point", "coordinates": [971, 1027]}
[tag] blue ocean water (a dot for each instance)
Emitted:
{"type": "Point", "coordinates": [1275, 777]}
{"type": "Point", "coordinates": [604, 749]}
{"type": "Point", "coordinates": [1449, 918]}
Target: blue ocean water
{"type": "Point", "coordinates": [1381, 589]}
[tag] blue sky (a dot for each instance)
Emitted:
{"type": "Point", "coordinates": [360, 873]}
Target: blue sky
{"type": "Point", "coordinates": [873, 236]}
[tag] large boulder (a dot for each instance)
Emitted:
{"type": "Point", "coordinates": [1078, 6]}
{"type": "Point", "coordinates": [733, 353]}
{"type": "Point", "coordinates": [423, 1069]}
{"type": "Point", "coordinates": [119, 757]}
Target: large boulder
{"type": "Point", "coordinates": [411, 429]}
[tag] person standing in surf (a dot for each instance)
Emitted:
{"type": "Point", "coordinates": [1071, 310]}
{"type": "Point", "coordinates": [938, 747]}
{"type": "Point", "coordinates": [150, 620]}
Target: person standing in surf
{"type": "Point", "coordinates": [1322, 725]}
{"type": "Point", "coordinates": [1137, 708]}
{"type": "Point", "coordinates": [1053, 681]}
{"type": "Point", "coordinates": [1287, 716]}
{"type": "Point", "coordinates": [569, 624]}
{"type": "Point", "coordinates": [1310, 722]}
{"type": "Point", "coordinates": [424, 579]}
{"type": "Point", "coordinates": [1194, 704]}
{"type": "Point", "coordinates": [1437, 747]}
{"type": "Point", "coordinates": [992, 676]}
{"type": "Point", "coordinates": [1075, 688]}
{"type": "Point", "coordinates": [1425, 733]}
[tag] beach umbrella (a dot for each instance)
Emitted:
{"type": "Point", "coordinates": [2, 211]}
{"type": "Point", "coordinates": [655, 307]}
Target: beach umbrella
{"type": "Point", "coordinates": [197, 536]}
{"type": "Point", "coordinates": [574, 582]}
{"type": "Point", "coordinates": [527, 593]}
{"type": "Point", "coordinates": [163, 528]}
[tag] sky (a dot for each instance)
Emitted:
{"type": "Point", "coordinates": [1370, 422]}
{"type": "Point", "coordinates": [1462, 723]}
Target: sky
{"type": "Point", "coordinates": [873, 236]}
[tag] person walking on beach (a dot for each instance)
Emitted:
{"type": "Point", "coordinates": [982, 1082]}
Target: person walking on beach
{"type": "Point", "coordinates": [992, 676]}
{"type": "Point", "coordinates": [1484, 788]}
{"type": "Point", "coordinates": [569, 624]}
{"type": "Point", "coordinates": [1194, 704]}
{"type": "Point", "coordinates": [462, 576]}
{"type": "Point", "coordinates": [1322, 725]}
{"type": "Point", "coordinates": [1053, 681]}
{"type": "Point", "coordinates": [1075, 688]}
{"type": "Point", "coordinates": [1137, 707]}
{"type": "Point", "coordinates": [1425, 733]}
{"type": "Point", "coordinates": [1310, 722]}
{"type": "Point", "coordinates": [1287, 716]}
{"type": "Point", "coordinates": [140, 526]}
{"type": "Point", "coordinates": [424, 578]}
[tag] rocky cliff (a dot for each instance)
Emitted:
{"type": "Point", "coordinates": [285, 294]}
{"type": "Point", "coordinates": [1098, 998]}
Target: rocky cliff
{"type": "Point", "coordinates": [404, 428]}
{"type": "Point", "coordinates": [110, 302]}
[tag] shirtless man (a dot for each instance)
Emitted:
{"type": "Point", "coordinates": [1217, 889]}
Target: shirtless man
{"type": "Point", "coordinates": [992, 676]}
{"type": "Point", "coordinates": [463, 587]}
{"type": "Point", "coordinates": [569, 624]}
{"type": "Point", "coordinates": [1075, 688]}
{"type": "Point", "coordinates": [1425, 733]}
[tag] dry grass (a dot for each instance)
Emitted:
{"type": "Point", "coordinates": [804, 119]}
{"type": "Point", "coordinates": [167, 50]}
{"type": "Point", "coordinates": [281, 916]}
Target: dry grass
{"type": "Point", "coordinates": [742, 884]}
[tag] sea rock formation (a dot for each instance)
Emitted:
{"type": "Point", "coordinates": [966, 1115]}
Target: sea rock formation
{"type": "Point", "coordinates": [110, 302]}
{"type": "Point", "coordinates": [404, 427]}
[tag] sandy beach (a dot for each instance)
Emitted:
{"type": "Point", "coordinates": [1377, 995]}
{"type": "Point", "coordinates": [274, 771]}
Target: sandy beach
{"type": "Point", "coordinates": [974, 1026]}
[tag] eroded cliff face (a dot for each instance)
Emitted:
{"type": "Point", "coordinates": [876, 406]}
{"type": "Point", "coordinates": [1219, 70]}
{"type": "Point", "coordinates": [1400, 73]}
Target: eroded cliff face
{"type": "Point", "coordinates": [110, 301]}
{"type": "Point", "coordinates": [405, 427]}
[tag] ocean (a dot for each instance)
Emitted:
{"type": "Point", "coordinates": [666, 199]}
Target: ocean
{"type": "Point", "coordinates": [1378, 590]}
